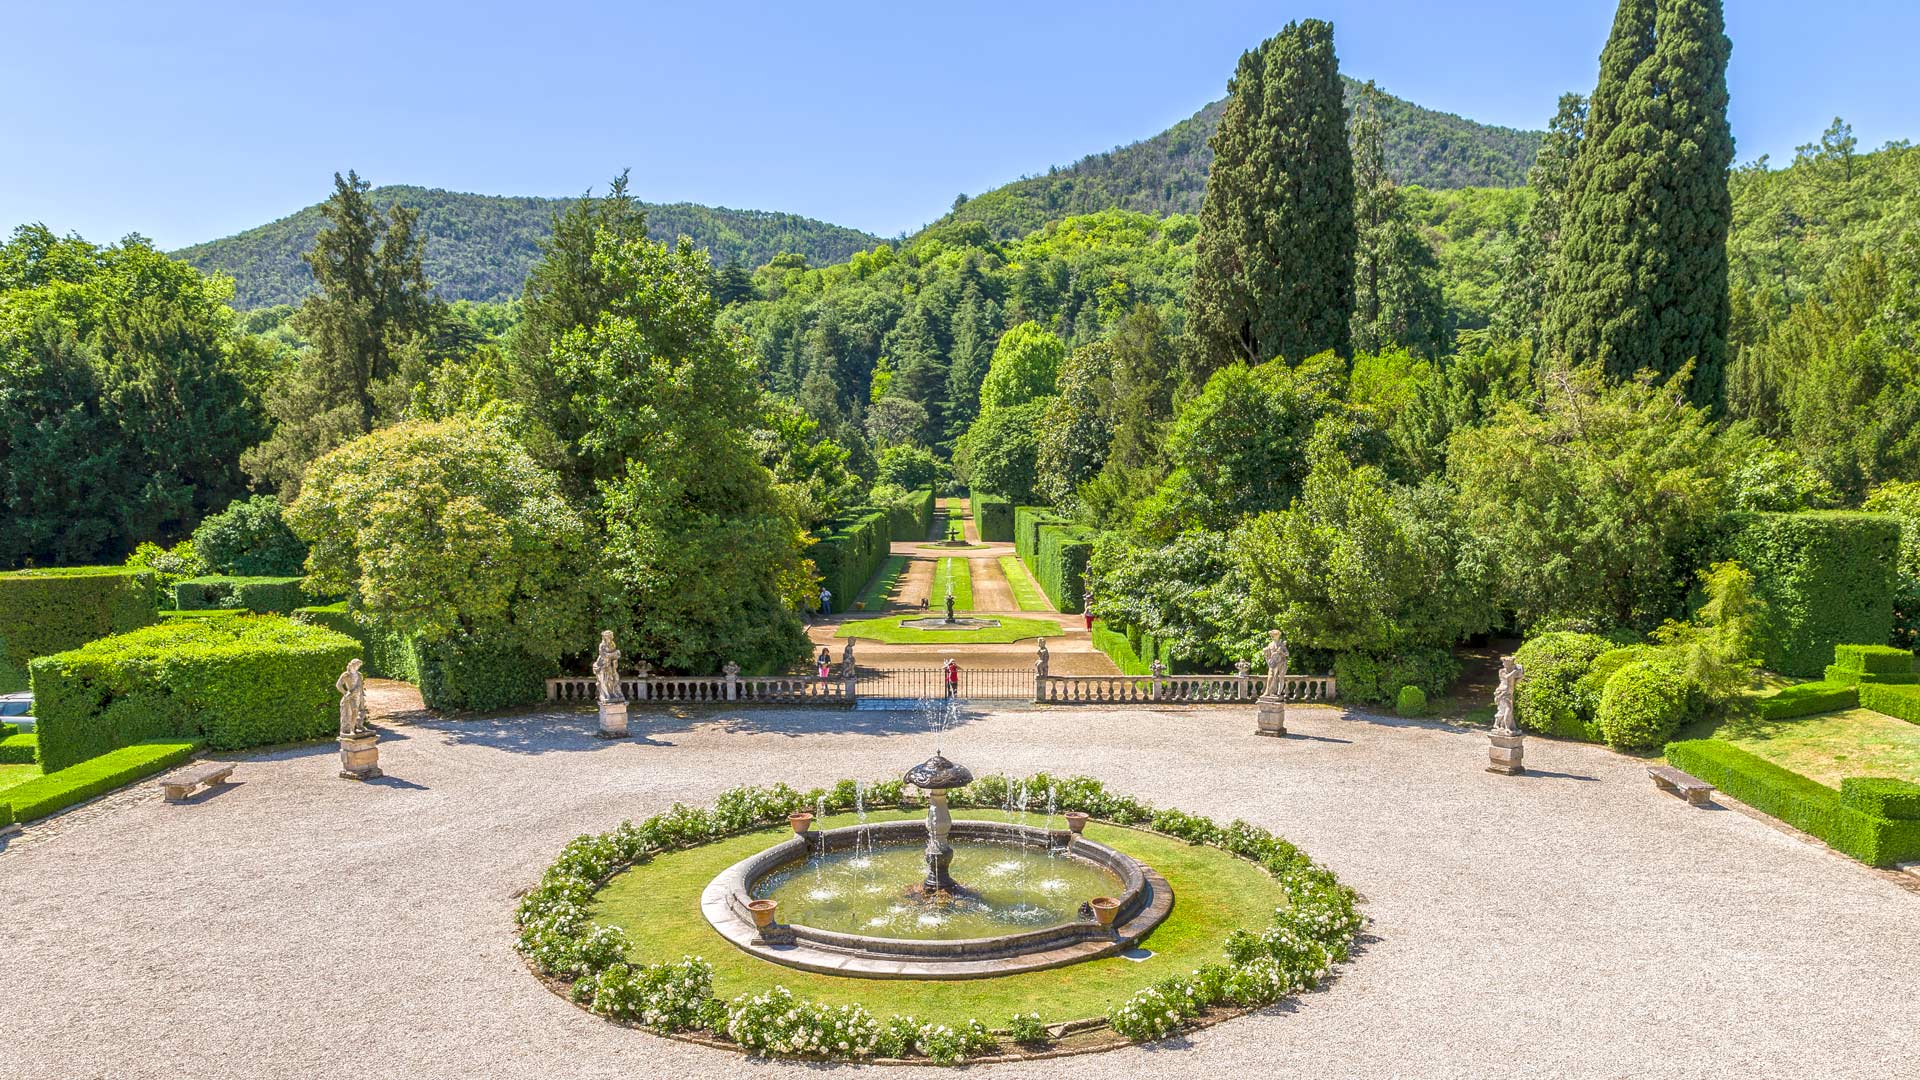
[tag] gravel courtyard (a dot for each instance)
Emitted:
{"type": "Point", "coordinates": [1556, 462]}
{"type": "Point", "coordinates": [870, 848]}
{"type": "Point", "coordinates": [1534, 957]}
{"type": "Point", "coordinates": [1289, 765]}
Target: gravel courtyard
{"type": "Point", "coordinates": [1572, 923]}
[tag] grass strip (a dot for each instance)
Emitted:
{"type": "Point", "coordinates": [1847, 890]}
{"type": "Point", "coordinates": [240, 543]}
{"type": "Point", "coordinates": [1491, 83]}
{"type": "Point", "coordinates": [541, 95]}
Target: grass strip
{"type": "Point", "coordinates": [1026, 592]}
{"type": "Point", "coordinates": [874, 596]}
{"type": "Point", "coordinates": [960, 577]}
{"type": "Point", "coordinates": [889, 631]}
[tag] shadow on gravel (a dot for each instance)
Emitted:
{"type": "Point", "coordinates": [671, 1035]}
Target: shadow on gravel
{"type": "Point", "coordinates": [573, 732]}
{"type": "Point", "coordinates": [1546, 774]}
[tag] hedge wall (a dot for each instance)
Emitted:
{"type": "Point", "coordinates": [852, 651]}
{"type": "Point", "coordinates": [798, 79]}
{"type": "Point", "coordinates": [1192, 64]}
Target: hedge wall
{"type": "Point", "coordinates": [1847, 820]}
{"type": "Point", "coordinates": [1896, 700]}
{"type": "Point", "coordinates": [18, 748]}
{"type": "Point", "coordinates": [852, 550]}
{"type": "Point", "coordinates": [469, 675]}
{"type": "Point", "coordinates": [992, 517]}
{"type": "Point", "coordinates": [43, 612]}
{"type": "Point", "coordinates": [1808, 699]}
{"type": "Point", "coordinates": [1026, 530]}
{"type": "Point", "coordinates": [1828, 578]}
{"type": "Point", "coordinates": [382, 655]}
{"type": "Point", "coordinates": [1871, 664]}
{"type": "Point", "coordinates": [261, 595]}
{"type": "Point", "coordinates": [235, 683]}
{"type": "Point", "coordinates": [78, 783]}
{"type": "Point", "coordinates": [1059, 564]}
{"type": "Point", "coordinates": [911, 518]}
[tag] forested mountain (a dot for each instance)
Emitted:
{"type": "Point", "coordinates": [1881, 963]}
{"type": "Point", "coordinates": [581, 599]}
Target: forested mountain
{"type": "Point", "coordinates": [1168, 172]}
{"type": "Point", "coordinates": [480, 247]}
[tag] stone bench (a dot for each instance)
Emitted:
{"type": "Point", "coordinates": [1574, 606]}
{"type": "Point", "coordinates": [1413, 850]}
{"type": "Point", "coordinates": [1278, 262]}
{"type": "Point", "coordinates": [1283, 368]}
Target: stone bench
{"type": "Point", "coordinates": [178, 785]}
{"type": "Point", "coordinates": [1669, 779]}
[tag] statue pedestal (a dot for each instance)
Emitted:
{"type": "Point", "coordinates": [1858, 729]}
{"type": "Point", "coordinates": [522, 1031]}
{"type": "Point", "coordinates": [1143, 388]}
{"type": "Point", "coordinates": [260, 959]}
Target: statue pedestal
{"type": "Point", "coordinates": [613, 720]}
{"type": "Point", "coordinates": [1271, 715]}
{"type": "Point", "coordinates": [1507, 754]}
{"type": "Point", "coordinates": [360, 757]}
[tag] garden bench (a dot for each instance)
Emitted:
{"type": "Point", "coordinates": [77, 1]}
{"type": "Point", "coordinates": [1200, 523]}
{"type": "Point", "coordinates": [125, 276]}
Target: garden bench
{"type": "Point", "coordinates": [1667, 778]}
{"type": "Point", "coordinates": [179, 785]}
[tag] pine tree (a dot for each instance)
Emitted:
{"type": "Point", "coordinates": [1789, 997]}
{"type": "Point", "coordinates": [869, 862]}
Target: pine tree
{"type": "Point", "coordinates": [1641, 282]}
{"type": "Point", "coordinates": [1523, 286]}
{"type": "Point", "coordinates": [976, 328]}
{"type": "Point", "coordinates": [1273, 273]}
{"type": "Point", "coordinates": [1396, 276]}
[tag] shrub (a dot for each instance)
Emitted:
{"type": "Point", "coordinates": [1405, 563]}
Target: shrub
{"type": "Point", "coordinates": [850, 552]}
{"type": "Point", "coordinates": [168, 564]}
{"type": "Point", "coordinates": [1027, 1030]}
{"type": "Point", "coordinates": [471, 674]}
{"type": "Point", "coordinates": [1893, 700]}
{"type": "Point", "coordinates": [992, 518]}
{"type": "Point", "coordinates": [1411, 701]}
{"type": "Point", "coordinates": [1644, 703]}
{"type": "Point", "coordinates": [1827, 577]}
{"type": "Point", "coordinates": [18, 749]}
{"type": "Point", "coordinates": [1807, 699]}
{"type": "Point", "coordinates": [249, 539]}
{"type": "Point", "coordinates": [1871, 663]}
{"type": "Point", "coordinates": [96, 776]}
{"type": "Point", "coordinates": [1546, 699]}
{"type": "Point", "coordinates": [1811, 807]}
{"type": "Point", "coordinates": [1589, 688]}
{"type": "Point", "coordinates": [1895, 800]}
{"type": "Point", "coordinates": [383, 654]}
{"type": "Point", "coordinates": [260, 595]}
{"type": "Point", "coordinates": [910, 517]}
{"type": "Point", "coordinates": [1376, 680]}
{"type": "Point", "coordinates": [48, 611]}
{"type": "Point", "coordinates": [239, 682]}
{"type": "Point", "coordinates": [1059, 564]}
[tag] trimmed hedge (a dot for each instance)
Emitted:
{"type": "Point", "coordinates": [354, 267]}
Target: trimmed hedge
{"type": "Point", "coordinates": [469, 675]}
{"type": "Point", "coordinates": [1026, 530]}
{"type": "Point", "coordinates": [1871, 664]}
{"type": "Point", "coordinates": [1060, 565]}
{"type": "Point", "coordinates": [1547, 698]}
{"type": "Point", "coordinates": [1370, 679]}
{"type": "Point", "coordinates": [1828, 578]}
{"type": "Point", "coordinates": [912, 517]}
{"type": "Point", "coordinates": [1895, 700]}
{"type": "Point", "coordinates": [851, 552]}
{"type": "Point", "coordinates": [1850, 826]}
{"type": "Point", "coordinates": [1644, 703]}
{"type": "Point", "coordinates": [1895, 800]}
{"type": "Point", "coordinates": [78, 783]}
{"type": "Point", "coordinates": [43, 612]}
{"type": "Point", "coordinates": [240, 682]}
{"type": "Point", "coordinates": [1410, 702]}
{"type": "Point", "coordinates": [382, 655]}
{"type": "Point", "coordinates": [261, 595]}
{"type": "Point", "coordinates": [19, 749]}
{"type": "Point", "coordinates": [992, 517]}
{"type": "Point", "coordinates": [1808, 699]}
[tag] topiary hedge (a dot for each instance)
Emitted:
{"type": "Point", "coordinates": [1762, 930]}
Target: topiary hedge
{"type": "Point", "coordinates": [1856, 826]}
{"type": "Point", "coordinates": [1410, 702]}
{"type": "Point", "coordinates": [1807, 699]}
{"type": "Point", "coordinates": [48, 611]}
{"type": "Point", "coordinates": [1895, 800]}
{"type": "Point", "coordinates": [1871, 663]}
{"type": "Point", "coordinates": [467, 674]}
{"type": "Point", "coordinates": [1828, 578]}
{"type": "Point", "coordinates": [1059, 564]}
{"type": "Point", "coordinates": [1546, 700]}
{"type": "Point", "coordinates": [97, 776]}
{"type": "Point", "coordinates": [20, 748]}
{"type": "Point", "coordinates": [992, 518]}
{"type": "Point", "coordinates": [850, 552]}
{"type": "Point", "coordinates": [240, 682]}
{"type": "Point", "coordinates": [1644, 704]}
{"type": "Point", "coordinates": [260, 595]}
{"type": "Point", "coordinates": [1899, 701]}
{"type": "Point", "coordinates": [911, 518]}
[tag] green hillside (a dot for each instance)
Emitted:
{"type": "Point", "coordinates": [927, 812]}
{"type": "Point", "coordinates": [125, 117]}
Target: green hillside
{"type": "Point", "coordinates": [1168, 172]}
{"type": "Point", "coordinates": [479, 247]}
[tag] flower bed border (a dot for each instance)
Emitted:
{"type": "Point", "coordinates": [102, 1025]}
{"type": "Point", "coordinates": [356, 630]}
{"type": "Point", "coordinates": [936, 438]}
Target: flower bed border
{"type": "Point", "coordinates": [586, 961]}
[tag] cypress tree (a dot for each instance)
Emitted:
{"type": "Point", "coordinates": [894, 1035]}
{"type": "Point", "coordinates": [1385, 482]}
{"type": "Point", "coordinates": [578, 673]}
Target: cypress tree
{"type": "Point", "coordinates": [1523, 284]}
{"type": "Point", "coordinates": [1641, 280]}
{"type": "Point", "coordinates": [1396, 276]}
{"type": "Point", "coordinates": [1273, 273]}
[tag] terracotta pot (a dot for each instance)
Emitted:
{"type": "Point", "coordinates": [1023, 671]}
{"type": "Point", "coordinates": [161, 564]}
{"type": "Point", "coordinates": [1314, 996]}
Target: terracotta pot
{"type": "Point", "coordinates": [763, 912]}
{"type": "Point", "coordinates": [1076, 821]}
{"type": "Point", "coordinates": [1104, 909]}
{"type": "Point", "coordinates": [801, 821]}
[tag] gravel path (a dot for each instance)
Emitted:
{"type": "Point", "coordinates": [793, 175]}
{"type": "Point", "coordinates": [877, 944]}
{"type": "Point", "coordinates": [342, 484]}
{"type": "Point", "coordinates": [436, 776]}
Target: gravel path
{"type": "Point", "coordinates": [1573, 923]}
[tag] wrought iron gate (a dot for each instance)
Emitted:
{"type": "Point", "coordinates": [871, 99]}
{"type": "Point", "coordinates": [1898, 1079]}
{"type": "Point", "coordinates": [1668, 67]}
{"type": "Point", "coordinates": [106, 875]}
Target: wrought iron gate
{"type": "Point", "coordinates": [976, 684]}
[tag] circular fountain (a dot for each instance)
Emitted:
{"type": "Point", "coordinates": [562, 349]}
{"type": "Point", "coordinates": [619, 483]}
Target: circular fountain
{"type": "Point", "coordinates": [939, 899]}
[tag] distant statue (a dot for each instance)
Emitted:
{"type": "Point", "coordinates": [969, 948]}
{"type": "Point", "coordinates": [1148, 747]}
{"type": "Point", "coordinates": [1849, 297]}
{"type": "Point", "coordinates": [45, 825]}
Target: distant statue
{"type": "Point", "coordinates": [606, 668]}
{"type": "Point", "coordinates": [1503, 721]}
{"type": "Point", "coordinates": [1243, 669]}
{"type": "Point", "coordinates": [1040, 660]}
{"type": "Point", "coordinates": [353, 699]}
{"type": "Point", "coordinates": [730, 669]}
{"type": "Point", "coordinates": [949, 607]}
{"type": "Point", "coordinates": [846, 660]}
{"type": "Point", "coordinates": [1157, 669]}
{"type": "Point", "coordinates": [1276, 653]}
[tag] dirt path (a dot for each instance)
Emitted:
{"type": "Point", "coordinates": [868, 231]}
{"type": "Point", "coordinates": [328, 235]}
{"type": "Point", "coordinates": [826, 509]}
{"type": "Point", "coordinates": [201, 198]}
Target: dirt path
{"type": "Point", "coordinates": [990, 589]}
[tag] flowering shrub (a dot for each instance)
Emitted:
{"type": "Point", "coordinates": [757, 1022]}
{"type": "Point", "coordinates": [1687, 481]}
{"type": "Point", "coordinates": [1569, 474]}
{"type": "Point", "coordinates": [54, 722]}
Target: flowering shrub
{"type": "Point", "coordinates": [1305, 938]}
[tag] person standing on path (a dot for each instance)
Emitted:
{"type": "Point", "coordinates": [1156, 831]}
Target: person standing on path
{"type": "Point", "coordinates": [826, 600]}
{"type": "Point", "coordinates": [951, 672]}
{"type": "Point", "coordinates": [1086, 610]}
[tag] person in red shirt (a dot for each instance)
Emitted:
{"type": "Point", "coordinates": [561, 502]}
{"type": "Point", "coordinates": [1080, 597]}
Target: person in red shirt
{"type": "Point", "coordinates": [952, 674]}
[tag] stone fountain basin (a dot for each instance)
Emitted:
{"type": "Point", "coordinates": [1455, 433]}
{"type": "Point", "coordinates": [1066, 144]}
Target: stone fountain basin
{"type": "Point", "coordinates": [1145, 899]}
{"type": "Point", "coordinates": [939, 622]}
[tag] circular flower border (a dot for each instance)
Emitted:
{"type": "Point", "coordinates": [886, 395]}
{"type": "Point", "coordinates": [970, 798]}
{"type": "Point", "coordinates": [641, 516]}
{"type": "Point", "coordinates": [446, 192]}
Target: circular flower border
{"type": "Point", "coordinates": [1293, 952]}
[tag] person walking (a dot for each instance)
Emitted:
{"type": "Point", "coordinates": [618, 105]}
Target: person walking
{"type": "Point", "coordinates": [1086, 609]}
{"type": "Point", "coordinates": [951, 673]}
{"type": "Point", "coordinates": [826, 600]}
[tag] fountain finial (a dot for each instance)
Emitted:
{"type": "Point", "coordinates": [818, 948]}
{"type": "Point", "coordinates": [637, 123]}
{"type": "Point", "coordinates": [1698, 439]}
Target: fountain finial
{"type": "Point", "coordinates": [938, 774]}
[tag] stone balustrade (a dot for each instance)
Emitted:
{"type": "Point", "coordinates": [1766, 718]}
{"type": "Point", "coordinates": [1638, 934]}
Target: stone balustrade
{"type": "Point", "coordinates": [1175, 689]}
{"type": "Point", "coordinates": [784, 689]}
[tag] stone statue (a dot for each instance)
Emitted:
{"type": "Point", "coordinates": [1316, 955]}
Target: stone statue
{"type": "Point", "coordinates": [846, 660]}
{"type": "Point", "coordinates": [1276, 653]}
{"type": "Point", "coordinates": [730, 669]}
{"type": "Point", "coordinates": [606, 668]}
{"type": "Point", "coordinates": [949, 607]}
{"type": "Point", "coordinates": [353, 699]}
{"type": "Point", "coordinates": [1157, 669]}
{"type": "Point", "coordinates": [1040, 660]}
{"type": "Point", "coordinates": [1503, 721]}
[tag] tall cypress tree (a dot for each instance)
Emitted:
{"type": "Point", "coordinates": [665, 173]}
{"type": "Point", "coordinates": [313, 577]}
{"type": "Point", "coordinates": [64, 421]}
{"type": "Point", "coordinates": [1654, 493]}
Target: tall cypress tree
{"type": "Point", "coordinates": [1273, 273]}
{"type": "Point", "coordinates": [1523, 284]}
{"type": "Point", "coordinates": [1396, 275]}
{"type": "Point", "coordinates": [1641, 281]}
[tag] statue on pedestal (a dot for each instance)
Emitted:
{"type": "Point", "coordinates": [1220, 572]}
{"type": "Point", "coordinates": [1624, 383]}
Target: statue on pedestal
{"type": "Point", "coordinates": [1040, 660]}
{"type": "Point", "coordinates": [846, 661]}
{"type": "Point", "coordinates": [1503, 720]}
{"type": "Point", "coordinates": [606, 668]}
{"type": "Point", "coordinates": [353, 699]}
{"type": "Point", "coordinates": [1276, 653]}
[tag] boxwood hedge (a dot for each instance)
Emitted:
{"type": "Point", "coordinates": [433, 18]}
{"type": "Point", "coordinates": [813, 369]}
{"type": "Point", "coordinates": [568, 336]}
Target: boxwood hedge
{"type": "Point", "coordinates": [1894, 700]}
{"type": "Point", "coordinates": [239, 682]}
{"type": "Point", "coordinates": [1808, 699]}
{"type": "Point", "coordinates": [261, 595]}
{"type": "Point", "coordinates": [468, 674]}
{"type": "Point", "coordinates": [383, 655]}
{"type": "Point", "coordinates": [1852, 820]}
{"type": "Point", "coordinates": [1059, 564]}
{"type": "Point", "coordinates": [992, 517]}
{"type": "Point", "coordinates": [78, 783]}
{"type": "Point", "coordinates": [1828, 578]}
{"type": "Point", "coordinates": [912, 517]}
{"type": "Point", "coordinates": [1871, 663]}
{"type": "Point", "coordinates": [851, 550]}
{"type": "Point", "coordinates": [48, 611]}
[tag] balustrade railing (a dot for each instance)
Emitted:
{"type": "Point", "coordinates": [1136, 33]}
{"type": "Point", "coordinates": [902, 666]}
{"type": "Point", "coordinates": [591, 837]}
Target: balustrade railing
{"type": "Point", "coordinates": [1176, 689]}
{"type": "Point", "coordinates": [1011, 684]}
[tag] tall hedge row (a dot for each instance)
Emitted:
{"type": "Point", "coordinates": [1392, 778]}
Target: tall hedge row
{"type": "Point", "coordinates": [1828, 578]}
{"type": "Point", "coordinates": [992, 517]}
{"type": "Point", "coordinates": [1853, 820]}
{"type": "Point", "coordinates": [383, 655]}
{"type": "Point", "coordinates": [1026, 530]}
{"type": "Point", "coordinates": [851, 551]}
{"type": "Point", "coordinates": [912, 517]}
{"type": "Point", "coordinates": [1060, 564]}
{"type": "Point", "coordinates": [43, 612]}
{"type": "Point", "coordinates": [239, 682]}
{"type": "Point", "coordinates": [260, 595]}
{"type": "Point", "coordinates": [468, 675]}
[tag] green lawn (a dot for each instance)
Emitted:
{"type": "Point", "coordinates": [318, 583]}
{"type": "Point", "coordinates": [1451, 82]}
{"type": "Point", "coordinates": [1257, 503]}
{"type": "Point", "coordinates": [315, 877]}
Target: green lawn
{"type": "Point", "coordinates": [958, 573]}
{"type": "Point", "coordinates": [1214, 892]}
{"type": "Point", "coordinates": [1026, 592]}
{"type": "Point", "coordinates": [874, 596]}
{"type": "Point", "coordinates": [1832, 746]}
{"type": "Point", "coordinates": [12, 775]}
{"type": "Point", "coordinates": [953, 547]}
{"type": "Point", "coordinates": [889, 630]}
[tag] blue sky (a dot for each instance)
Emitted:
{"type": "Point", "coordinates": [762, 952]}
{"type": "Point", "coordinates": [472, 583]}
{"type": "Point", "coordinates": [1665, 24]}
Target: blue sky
{"type": "Point", "coordinates": [189, 122]}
